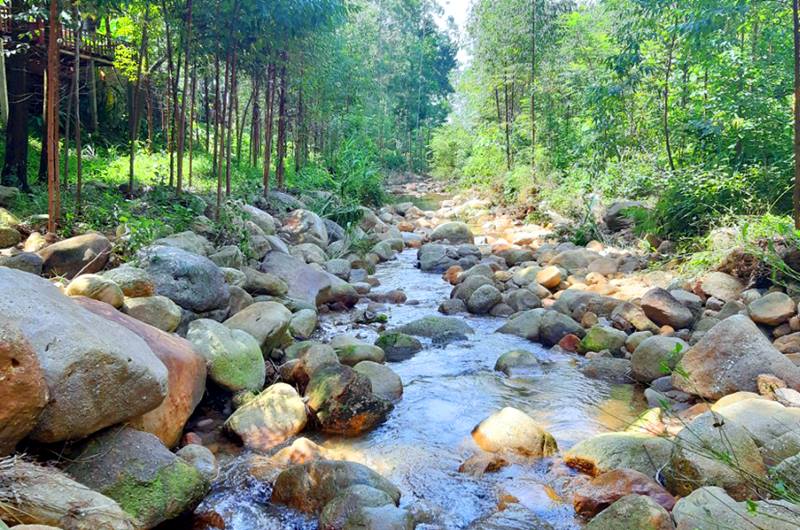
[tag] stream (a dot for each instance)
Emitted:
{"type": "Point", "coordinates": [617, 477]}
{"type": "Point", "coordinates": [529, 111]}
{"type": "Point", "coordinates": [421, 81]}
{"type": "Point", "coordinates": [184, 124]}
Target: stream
{"type": "Point", "coordinates": [447, 391]}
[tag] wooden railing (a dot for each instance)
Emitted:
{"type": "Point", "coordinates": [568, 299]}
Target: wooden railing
{"type": "Point", "coordinates": [92, 44]}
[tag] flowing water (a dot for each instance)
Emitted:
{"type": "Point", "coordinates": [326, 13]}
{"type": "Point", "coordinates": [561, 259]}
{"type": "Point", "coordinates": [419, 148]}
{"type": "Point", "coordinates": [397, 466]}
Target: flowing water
{"type": "Point", "coordinates": [448, 390]}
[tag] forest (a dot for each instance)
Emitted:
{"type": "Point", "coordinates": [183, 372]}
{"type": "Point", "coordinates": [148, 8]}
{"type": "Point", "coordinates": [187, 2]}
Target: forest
{"type": "Point", "coordinates": [400, 265]}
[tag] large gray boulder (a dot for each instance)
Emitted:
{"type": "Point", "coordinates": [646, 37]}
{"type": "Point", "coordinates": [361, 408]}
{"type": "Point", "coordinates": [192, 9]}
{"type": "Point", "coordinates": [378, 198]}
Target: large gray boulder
{"type": "Point", "coordinates": [454, 232]}
{"type": "Point", "coordinates": [261, 218]}
{"type": "Point", "coordinates": [665, 310]}
{"type": "Point", "coordinates": [772, 309]}
{"type": "Point", "coordinates": [233, 357]}
{"type": "Point", "coordinates": [656, 356]}
{"type": "Point", "coordinates": [304, 226]}
{"type": "Point", "coordinates": [304, 282]}
{"type": "Point", "coordinates": [711, 508]}
{"type": "Point", "coordinates": [188, 241]}
{"type": "Point", "coordinates": [97, 372]}
{"type": "Point", "coordinates": [192, 281]}
{"type": "Point", "coordinates": [728, 358]}
{"type": "Point", "coordinates": [267, 322]}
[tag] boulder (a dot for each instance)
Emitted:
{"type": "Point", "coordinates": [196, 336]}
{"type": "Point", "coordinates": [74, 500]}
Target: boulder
{"type": "Point", "coordinates": [574, 260]}
{"type": "Point", "coordinates": [202, 459]}
{"type": "Point", "coordinates": [257, 241]}
{"type": "Point", "coordinates": [228, 256]}
{"type": "Point", "coordinates": [269, 419]}
{"type": "Point", "coordinates": [398, 346]}
{"type": "Point", "coordinates": [97, 372]}
{"type": "Point", "coordinates": [523, 300]}
{"type": "Point", "coordinates": [710, 451]}
{"type": "Point", "coordinates": [24, 261]}
{"type": "Point", "coordinates": [304, 282]}
{"type": "Point", "coordinates": [656, 357]}
{"type": "Point", "coordinates": [188, 241]}
{"type": "Point", "coordinates": [136, 470]}
{"type": "Point", "coordinates": [157, 311]}
{"type": "Point", "coordinates": [385, 383]}
{"type": "Point", "coordinates": [728, 358]}
{"type": "Point", "coordinates": [665, 310]}
{"type": "Point", "coordinates": [721, 286]}
{"type": "Point", "coordinates": [186, 369]}
{"type": "Point", "coordinates": [628, 315]}
{"type": "Point", "coordinates": [608, 369]}
{"type": "Point", "coordinates": [304, 226]}
{"type": "Point", "coordinates": [616, 218]}
{"type": "Point", "coordinates": [441, 330]}
{"type": "Point", "coordinates": [352, 351]}
{"type": "Point", "coordinates": [9, 236]}
{"type": "Point", "coordinates": [602, 491]}
{"type": "Point", "coordinates": [554, 326]}
{"type": "Point", "coordinates": [386, 517]}
{"type": "Point", "coordinates": [8, 195]}
{"type": "Point", "coordinates": [261, 218]}
{"type": "Point", "coordinates": [23, 391]}
{"type": "Point", "coordinates": [550, 277]}
{"type": "Point", "coordinates": [711, 508]}
{"type": "Point", "coordinates": [233, 357]}
{"type": "Point", "coordinates": [515, 361]}
{"type": "Point", "coordinates": [338, 267]}
{"type": "Point", "coordinates": [454, 232]}
{"type": "Point", "coordinates": [600, 338]}
{"type": "Point", "coordinates": [308, 253]}
{"type": "Point", "coordinates": [257, 282]}
{"type": "Point", "coordinates": [605, 452]}
{"type": "Point", "coordinates": [772, 309]}
{"type": "Point", "coordinates": [435, 257]}
{"type": "Point", "coordinates": [632, 512]}
{"type": "Point", "coordinates": [97, 288]}
{"type": "Point", "coordinates": [484, 299]}
{"type": "Point", "coordinates": [192, 281]}
{"type": "Point", "coordinates": [133, 281]}
{"type": "Point", "coordinates": [511, 430]}
{"type": "Point", "coordinates": [525, 324]}
{"type": "Point", "coordinates": [267, 322]}
{"type": "Point", "coordinates": [39, 495]}
{"type": "Point", "coordinates": [85, 254]}
{"type": "Point", "coordinates": [774, 427]}
{"type": "Point", "coordinates": [309, 487]}
{"type": "Point", "coordinates": [347, 503]}
{"type": "Point", "coordinates": [513, 517]}
{"type": "Point", "coordinates": [343, 402]}
{"type": "Point", "coordinates": [303, 324]}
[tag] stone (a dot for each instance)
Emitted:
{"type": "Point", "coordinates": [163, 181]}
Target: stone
{"type": "Point", "coordinates": [665, 310]}
{"type": "Point", "coordinates": [186, 375]}
{"type": "Point", "coordinates": [23, 391]}
{"type": "Point", "coordinates": [469, 285]}
{"type": "Point", "coordinates": [554, 326]}
{"type": "Point", "coordinates": [602, 491]}
{"type": "Point", "coordinates": [484, 299]}
{"type": "Point", "coordinates": [308, 253]}
{"type": "Point", "coordinates": [772, 309]}
{"type": "Point", "coordinates": [233, 277]}
{"type": "Point", "coordinates": [97, 288]}
{"type": "Point", "coordinates": [136, 470]}
{"type": "Point", "coordinates": [385, 383]}
{"type": "Point", "coordinates": [304, 226]}
{"type": "Point", "coordinates": [632, 512]}
{"type": "Point", "coordinates": [9, 236]}
{"type": "Point", "coordinates": [338, 267]}
{"type": "Point", "coordinates": [711, 508]}
{"type": "Point", "coordinates": [600, 338]}
{"type": "Point", "coordinates": [513, 517]}
{"type": "Point", "coordinates": [303, 324]}
{"type": "Point", "coordinates": [788, 343]}
{"type": "Point", "coordinates": [383, 250]}
{"type": "Point", "coordinates": [341, 508]}
{"type": "Point", "coordinates": [202, 459]}
{"type": "Point", "coordinates": [608, 369]}
{"type": "Point", "coordinates": [550, 277]}
{"type": "Point", "coordinates": [352, 351]}
{"type": "Point", "coordinates": [774, 428]}
{"type": "Point", "coordinates": [628, 315]}
{"type": "Point", "coordinates": [229, 256]}
{"type": "Point", "coordinates": [24, 261]}
{"type": "Point", "coordinates": [635, 339]}
{"type": "Point", "coordinates": [257, 282]}
{"type": "Point", "coordinates": [261, 218]}
{"type": "Point", "coordinates": [258, 242]}
{"type": "Point", "coordinates": [86, 254]}
{"type": "Point", "coordinates": [728, 358]}
{"type": "Point", "coordinates": [575, 260]}
{"type": "Point", "coordinates": [511, 430]}
{"type": "Point", "coordinates": [605, 452]}
{"type": "Point", "coordinates": [187, 241]}
{"type": "Point", "coordinates": [386, 517]}
{"type": "Point", "coordinates": [343, 402]}
{"type": "Point", "coordinates": [616, 216]}
{"type": "Point", "coordinates": [398, 346]}
{"type": "Point", "coordinates": [311, 486]}
{"type": "Point", "coordinates": [269, 419]}
{"type": "Point", "coordinates": [604, 266]}
{"type": "Point", "coordinates": [721, 286]}
{"type": "Point", "coordinates": [454, 306]}
{"type": "Point", "coordinates": [710, 451]}
{"type": "Point", "coordinates": [304, 282]}
{"type": "Point", "coordinates": [454, 232]}
{"type": "Point", "coordinates": [133, 281]}
{"type": "Point", "coordinates": [192, 281]}
{"type": "Point", "coordinates": [525, 324]}
{"type": "Point", "coordinates": [515, 361]}
{"type": "Point", "coordinates": [523, 300]}
{"type": "Point", "coordinates": [267, 322]}
{"type": "Point", "coordinates": [46, 496]}
{"type": "Point", "coordinates": [441, 330]}
{"type": "Point", "coordinates": [233, 357]}
{"type": "Point", "coordinates": [8, 195]}
{"type": "Point", "coordinates": [656, 357]}
{"type": "Point", "coordinates": [35, 242]}
{"type": "Point", "coordinates": [97, 373]}
{"type": "Point", "coordinates": [158, 311]}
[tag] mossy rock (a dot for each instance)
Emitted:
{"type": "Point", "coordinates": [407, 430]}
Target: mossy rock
{"type": "Point", "coordinates": [441, 330]}
{"type": "Point", "coordinates": [600, 338]}
{"type": "Point", "coordinates": [398, 346]}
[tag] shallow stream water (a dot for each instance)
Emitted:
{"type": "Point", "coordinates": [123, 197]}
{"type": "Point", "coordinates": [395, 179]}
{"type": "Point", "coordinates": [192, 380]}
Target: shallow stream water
{"type": "Point", "coordinates": [449, 390]}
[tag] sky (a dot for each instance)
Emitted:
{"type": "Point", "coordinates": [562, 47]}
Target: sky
{"type": "Point", "coordinates": [459, 10]}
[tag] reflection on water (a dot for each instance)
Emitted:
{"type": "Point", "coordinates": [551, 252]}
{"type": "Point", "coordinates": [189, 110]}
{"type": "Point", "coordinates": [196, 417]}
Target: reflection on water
{"type": "Point", "coordinates": [424, 201]}
{"type": "Point", "coordinates": [447, 392]}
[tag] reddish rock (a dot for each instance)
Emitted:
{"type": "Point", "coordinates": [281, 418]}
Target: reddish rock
{"type": "Point", "coordinates": [451, 275]}
{"type": "Point", "coordinates": [23, 391]}
{"type": "Point", "coordinates": [86, 254]}
{"type": "Point", "coordinates": [570, 343]}
{"type": "Point", "coordinates": [187, 374]}
{"type": "Point", "coordinates": [602, 491]}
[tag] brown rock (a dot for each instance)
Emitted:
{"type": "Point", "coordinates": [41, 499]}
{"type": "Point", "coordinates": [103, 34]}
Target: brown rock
{"type": "Point", "coordinates": [86, 254]}
{"type": "Point", "coordinates": [570, 343]}
{"type": "Point", "coordinates": [768, 384]}
{"type": "Point", "coordinates": [187, 375]}
{"type": "Point", "coordinates": [598, 494]}
{"type": "Point", "coordinates": [451, 274]}
{"type": "Point", "coordinates": [23, 391]}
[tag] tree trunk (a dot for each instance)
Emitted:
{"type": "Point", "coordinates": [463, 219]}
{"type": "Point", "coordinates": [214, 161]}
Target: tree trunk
{"type": "Point", "coordinates": [15, 165]}
{"type": "Point", "coordinates": [185, 101]}
{"type": "Point", "coordinates": [93, 120]}
{"type": "Point", "coordinates": [191, 121]}
{"type": "Point", "coordinates": [281, 167]}
{"type": "Point", "coordinates": [255, 130]}
{"type": "Point", "coordinates": [134, 129]}
{"type": "Point", "coordinates": [207, 112]}
{"type": "Point", "coordinates": [667, 74]}
{"type": "Point", "coordinates": [796, 195]}
{"type": "Point", "coordinates": [53, 195]}
{"type": "Point", "coordinates": [219, 133]}
{"type": "Point", "coordinates": [3, 86]}
{"type": "Point", "coordinates": [240, 132]}
{"type": "Point", "coordinates": [507, 124]}
{"type": "Point", "coordinates": [269, 107]}
{"type": "Point", "coordinates": [229, 142]}
{"type": "Point", "coordinates": [533, 87]}
{"type": "Point", "coordinates": [78, 146]}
